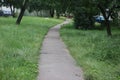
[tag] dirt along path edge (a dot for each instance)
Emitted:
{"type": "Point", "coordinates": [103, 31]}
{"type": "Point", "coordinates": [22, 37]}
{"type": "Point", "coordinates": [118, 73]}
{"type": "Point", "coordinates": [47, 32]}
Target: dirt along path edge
{"type": "Point", "coordinates": [55, 61]}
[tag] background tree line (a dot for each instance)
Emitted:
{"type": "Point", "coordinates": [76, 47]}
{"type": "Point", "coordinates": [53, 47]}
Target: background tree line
{"type": "Point", "coordinates": [52, 5]}
{"type": "Point", "coordinates": [82, 10]}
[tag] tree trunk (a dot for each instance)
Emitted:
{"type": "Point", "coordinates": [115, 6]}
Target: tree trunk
{"type": "Point", "coordinates": [58, 14]}
{"type": "Point", "coordinates": [106, 17]}
{"type": "Point", "coordinates": [37, 12]}
{"type": "Point", "coordinates": [22, 11]}
{"type": "Point", "coordinates": [12, 11]}
{"type": "Point", "coordinates": [52, 13]}
{"type": "Point", "coordinates": [108, 28]}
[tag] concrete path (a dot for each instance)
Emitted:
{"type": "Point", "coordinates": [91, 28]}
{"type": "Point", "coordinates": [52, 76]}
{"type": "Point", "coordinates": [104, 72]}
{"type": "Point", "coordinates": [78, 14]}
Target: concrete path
{"type": "Point", "coordinates": [55, 61]}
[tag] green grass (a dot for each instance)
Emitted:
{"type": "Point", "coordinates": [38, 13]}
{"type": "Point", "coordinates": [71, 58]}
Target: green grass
{"type": "Point", "coordinates": [20, 46]}
{"type": "Point", "coordinates": [97, 54]}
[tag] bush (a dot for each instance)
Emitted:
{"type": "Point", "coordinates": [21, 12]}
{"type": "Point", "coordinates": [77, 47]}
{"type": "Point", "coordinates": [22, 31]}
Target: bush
{"type": "Point", "coordinates": [81, 19]}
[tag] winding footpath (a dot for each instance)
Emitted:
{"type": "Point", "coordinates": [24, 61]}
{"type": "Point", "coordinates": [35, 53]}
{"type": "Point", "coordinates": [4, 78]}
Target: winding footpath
{"type": "Point", "coordinates": [55, 61]}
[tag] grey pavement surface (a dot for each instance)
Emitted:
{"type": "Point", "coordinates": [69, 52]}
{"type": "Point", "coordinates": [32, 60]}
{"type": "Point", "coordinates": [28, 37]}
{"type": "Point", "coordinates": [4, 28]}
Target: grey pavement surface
{"type": "Point", "coordinates": [55, 61]}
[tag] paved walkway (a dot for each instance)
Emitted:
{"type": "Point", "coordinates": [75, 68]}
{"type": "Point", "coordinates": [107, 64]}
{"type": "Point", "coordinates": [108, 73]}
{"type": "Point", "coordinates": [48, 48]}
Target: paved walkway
{"type": "Point", "coordinates": [55, 60]}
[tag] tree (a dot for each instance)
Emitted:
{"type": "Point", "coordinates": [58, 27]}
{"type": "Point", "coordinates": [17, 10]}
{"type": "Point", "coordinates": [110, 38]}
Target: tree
{"type": "Point", "coordinates": [83, 13]}
{"type": "Point", "coordinates": [37, 6]}
{"type": "Point", "coordinates": [88, 8]}
{"type": "Point", "coordinates": [107, 7]}
{"type": "Point", "coordinates": [51, 5]}
{"type": "Point", "coordinates": [24, 6]}
{"type": "Point", "coordinates": [12, 4]}
{"type": "Point", "coordinates": [62, 6]}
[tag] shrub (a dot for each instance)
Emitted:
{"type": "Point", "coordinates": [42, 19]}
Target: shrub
{"type": "Point", "coordinates": [81, 19]}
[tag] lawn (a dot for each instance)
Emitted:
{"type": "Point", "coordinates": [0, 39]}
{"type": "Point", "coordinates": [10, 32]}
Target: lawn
{"type": "Point", "coordinates": [97, 54]}
{"type": "Point", "coordinates": [20, 46]}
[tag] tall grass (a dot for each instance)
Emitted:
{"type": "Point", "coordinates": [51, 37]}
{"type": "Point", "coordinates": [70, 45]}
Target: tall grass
{"type": "Point", "coordinates": [97, 54]}
{"type": "Point", "coordinates": [20, 45]}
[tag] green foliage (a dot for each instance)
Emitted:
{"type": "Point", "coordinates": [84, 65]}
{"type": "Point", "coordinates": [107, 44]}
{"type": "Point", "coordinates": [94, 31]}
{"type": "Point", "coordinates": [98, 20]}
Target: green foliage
{"type": "Point", "coordinates": [15, 3]}
{"type": "Point", "coordinates": [80, 19]}
{"type": "Point", "coordinates": [38, 5]}
{"type": "Point", "coordinates": [60, 6]}
{"type": "Point", "coordinates": [98, 55]}
{"type": "Point", "coordinates": [20, 45]}
{"type": "Point", "coordinates": [83, 13]}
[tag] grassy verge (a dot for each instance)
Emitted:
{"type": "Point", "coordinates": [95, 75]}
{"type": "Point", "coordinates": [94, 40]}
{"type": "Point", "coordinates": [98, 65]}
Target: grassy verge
{"type": "Point", "coordinates": [20, 45]}
{"type": "Point", "coordinates": [98, 55]}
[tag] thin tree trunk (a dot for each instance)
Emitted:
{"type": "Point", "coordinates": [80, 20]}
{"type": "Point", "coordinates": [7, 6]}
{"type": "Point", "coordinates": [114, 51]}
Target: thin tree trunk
{"type": "Point", "coordinates": [22, 11]}
{"type": "Point", "coordinates": [58, 15]}
{"type": "Point", "coordinates": [52, 13]}
{"type": "Point", "coordinates": [108, 28]}
{"type": "Point", "coordinates": [14, 12]}
{"type": "Point", "coordinates": [37, 12]}
{"type": "Point", "coordinates": [11, 10]}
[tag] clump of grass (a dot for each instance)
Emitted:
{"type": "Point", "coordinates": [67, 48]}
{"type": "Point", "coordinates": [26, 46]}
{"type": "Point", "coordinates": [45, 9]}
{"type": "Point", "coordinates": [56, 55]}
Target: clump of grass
{"type": "Point", "coordinates": [20, 45]}
{"type": "Point", "coordinates": [97, 54]}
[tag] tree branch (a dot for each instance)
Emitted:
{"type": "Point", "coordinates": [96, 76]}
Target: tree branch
{"type": "Point", "coordinates": [102, 10]}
